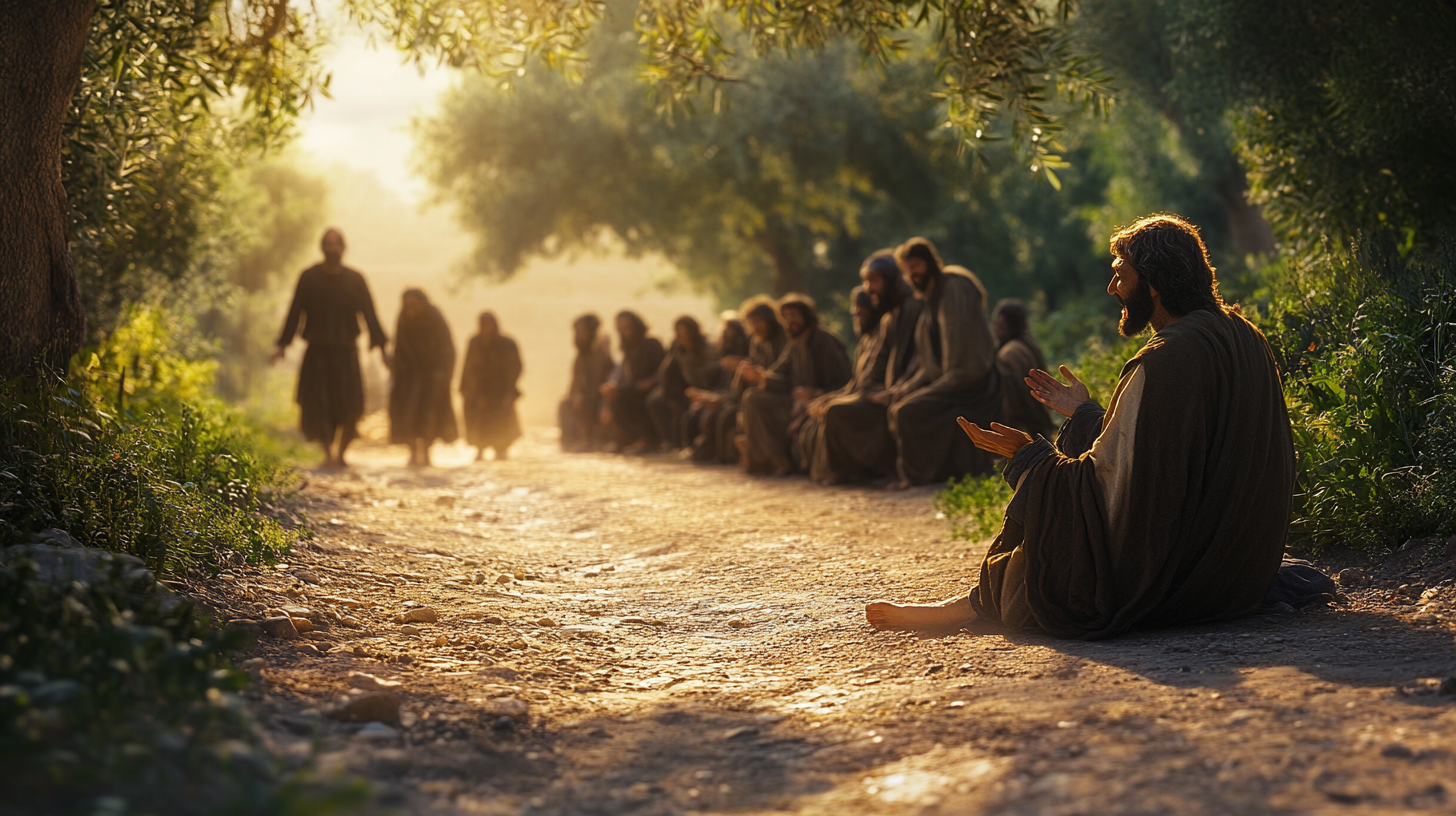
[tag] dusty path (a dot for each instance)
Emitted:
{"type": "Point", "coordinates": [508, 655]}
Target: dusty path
{"type": "Point", "coordinates": [703, 649]}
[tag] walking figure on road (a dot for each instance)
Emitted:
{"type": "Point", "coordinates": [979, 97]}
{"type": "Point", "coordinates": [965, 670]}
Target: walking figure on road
{"type": "Point", "coordinates": [420, 411]}
{"type": "Point", "coordinates": [329, 300]}
{"type": "Point", "coordinates": [488, 388]}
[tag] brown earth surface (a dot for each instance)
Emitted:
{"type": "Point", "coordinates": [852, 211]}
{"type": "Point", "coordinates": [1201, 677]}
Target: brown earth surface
{"type": "Point", "coordinates": [689, 639]}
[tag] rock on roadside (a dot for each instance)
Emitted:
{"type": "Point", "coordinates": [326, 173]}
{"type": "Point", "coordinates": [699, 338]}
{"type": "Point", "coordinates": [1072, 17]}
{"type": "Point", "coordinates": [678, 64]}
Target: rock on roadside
{"type": "Point", "coordinates": [378, 706]}
{"type": "Point", "coordinates": [420, 614]}
{"type": "Point", "coordinates": [280, 627]}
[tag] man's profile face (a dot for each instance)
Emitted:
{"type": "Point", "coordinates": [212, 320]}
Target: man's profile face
{"type": "Point", "coordinates": [684, 338]}
{"type": "Point", "coordinates": [918, 271]}
{"type": "Point", "coordinates": [1135, 295]}
{"type": "Point", "coordinates": [759, 327]}
{"type": "Point", "coordinates": [413, 306]}
{"type": "Point", "coordinates": [864, 317]}
{"type": "Point", "coordinates": [626, 329]}
{"type": "Point", "coordinates": [333, 246]}
{"type": "Point", "coordinates": [1003, 331]}
{"type": "Point", "coordinates": [873, 283]}
{"type": "Point", "coordinates": [794, 321]}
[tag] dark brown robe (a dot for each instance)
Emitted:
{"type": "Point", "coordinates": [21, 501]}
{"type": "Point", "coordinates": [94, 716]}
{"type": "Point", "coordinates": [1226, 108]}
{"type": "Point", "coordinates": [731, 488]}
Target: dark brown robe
{"type": "Point", "coordinates": [681, 369]}
{"type": "Point", "coordinates": [424, 364]}
{"type": "Point", "coordinates": [630, 417]}
{"type": "Point", "coordinates": [488, 390]}
{"type": "Point", "coordinates": [853, 442]}
{"type": "Point", "coordinates": [579, 414]}
{"type": "Point", "coordinates": [1175, 511]}
{"type": "Point", "coordinates": [955, 362]}
{"type": "Point", "coordinates": [719, 423]}
{"type": "Point", "coordinates": [330, 387]}
{"type": "Point", "coordinates": [816, 359]}
{"type": "Point", "coordinates": [1015, 359]}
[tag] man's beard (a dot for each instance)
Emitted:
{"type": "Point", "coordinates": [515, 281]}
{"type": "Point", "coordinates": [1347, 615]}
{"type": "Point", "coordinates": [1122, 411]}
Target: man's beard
{"type": "Point", "coordinates": [798, 332]}
{"type": "Point", "coordinates": [1137, 310]}
{"type": "Point", "coordinates": [921, 282]}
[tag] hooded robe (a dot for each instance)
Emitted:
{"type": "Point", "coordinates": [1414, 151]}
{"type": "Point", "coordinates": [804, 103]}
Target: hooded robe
{"type": "Point", "coordinates": [330, 386]}
{"type": "Point", "coordinates": [955, 352]}
{"type": "Point", "coordinates": [816, 359]}
{"type": "Point", "coordinates": [424, 364]}
{"type": "Point", "coordinates": [853, 442]}
{"type": "Point", "coordinates": [488, 389]}
{"type": "Point", "coordinates": [1019, 409]}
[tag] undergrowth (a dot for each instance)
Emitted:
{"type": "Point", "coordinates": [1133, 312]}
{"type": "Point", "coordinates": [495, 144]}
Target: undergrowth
{"type": "Point", "coordinates": [115, 695]}
{"type": "Point", "coordinates": [150, 465]}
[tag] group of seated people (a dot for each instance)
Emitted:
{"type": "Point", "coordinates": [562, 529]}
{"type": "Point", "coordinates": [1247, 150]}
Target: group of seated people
{"type": "Point", "coordinates": [779, 394]}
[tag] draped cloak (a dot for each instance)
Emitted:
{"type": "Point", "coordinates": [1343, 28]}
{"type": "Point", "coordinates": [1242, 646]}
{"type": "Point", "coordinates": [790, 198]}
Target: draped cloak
{"type": "Point", "coordinates": [489, 392]}
{"type": "Point", "coordinates": [851, 442]}
{"type": "Point", "coordinates": [1015, 359]}
{"type": "Point", "coordinates": [814, 360]}
{"type": "Point", "coordinates": [424, 364]}
{"type": "Point", "coordinates": [1169, 508]}
{"type": "Point", "coordinates": [955, 375]}
{"type": "Point", "coordinates": [330, 384]}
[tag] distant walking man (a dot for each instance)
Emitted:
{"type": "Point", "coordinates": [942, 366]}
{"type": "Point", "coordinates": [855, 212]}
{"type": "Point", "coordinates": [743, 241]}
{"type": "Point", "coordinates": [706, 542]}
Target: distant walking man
{"type": "Point", "coordinates": [330, 298]}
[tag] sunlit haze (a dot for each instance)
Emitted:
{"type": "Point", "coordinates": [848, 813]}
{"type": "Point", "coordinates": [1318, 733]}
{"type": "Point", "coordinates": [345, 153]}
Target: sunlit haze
{"type": "Point", "coordinates": [360, 139]}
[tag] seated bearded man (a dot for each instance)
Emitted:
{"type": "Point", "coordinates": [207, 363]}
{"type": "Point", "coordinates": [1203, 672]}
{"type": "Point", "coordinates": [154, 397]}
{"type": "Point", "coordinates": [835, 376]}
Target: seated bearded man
{"type": "Point", "coordinates": [1170, 506]}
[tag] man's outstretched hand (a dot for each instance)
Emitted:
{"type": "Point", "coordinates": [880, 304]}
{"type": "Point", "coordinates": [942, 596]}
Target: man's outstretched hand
{"type": "Point", "coordinates": [1000, 440]}
{"type": "Point", "coordinates": [1049, 391]}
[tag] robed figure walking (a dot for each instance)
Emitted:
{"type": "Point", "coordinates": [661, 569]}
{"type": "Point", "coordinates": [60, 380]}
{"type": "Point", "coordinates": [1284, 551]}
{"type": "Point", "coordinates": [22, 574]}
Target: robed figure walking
{"type": "Point", "coordinates": [329, 300]}
{"type": "Point", "coordinates": [424, 364]}
{"type": "Point", "coordinates": [488, 387]}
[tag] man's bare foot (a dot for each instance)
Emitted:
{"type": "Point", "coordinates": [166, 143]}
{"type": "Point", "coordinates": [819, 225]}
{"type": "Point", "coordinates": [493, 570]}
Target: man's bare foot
{"type": "Point", "coordinates": [946, 615]}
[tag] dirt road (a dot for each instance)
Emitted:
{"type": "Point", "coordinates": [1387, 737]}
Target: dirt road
{"type": "Point", "coordinates": [689, 639]}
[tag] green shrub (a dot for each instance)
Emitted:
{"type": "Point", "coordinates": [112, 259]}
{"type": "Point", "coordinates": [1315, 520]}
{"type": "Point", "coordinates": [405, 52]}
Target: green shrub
{"type": "Point", "coordinates": [1368, 347]}
{"type": "Point", "coordinates": [974, 505]}
{"type": "Point", "coordinates": [115, 697]}
{"type": "Point", "coordinates": [148, 464]}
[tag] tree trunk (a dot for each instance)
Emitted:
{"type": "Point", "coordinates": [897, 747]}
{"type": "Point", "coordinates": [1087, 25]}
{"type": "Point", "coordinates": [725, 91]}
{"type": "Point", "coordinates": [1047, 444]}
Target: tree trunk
{"type": "Point", "coordinates": [788, 277]}
{"type": "Point", "coordinates": [42, 45]}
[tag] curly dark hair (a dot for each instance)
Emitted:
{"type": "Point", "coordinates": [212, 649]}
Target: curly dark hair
{"type": "Point", "coordinates": [1167, 251]}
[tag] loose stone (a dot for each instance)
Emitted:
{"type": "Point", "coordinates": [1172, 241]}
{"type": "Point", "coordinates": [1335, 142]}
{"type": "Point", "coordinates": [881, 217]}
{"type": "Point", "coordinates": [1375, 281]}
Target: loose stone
{"type": "Point", "coordinates": [280, 627]}
{"type": "Point", "coordinates": [379, 706]}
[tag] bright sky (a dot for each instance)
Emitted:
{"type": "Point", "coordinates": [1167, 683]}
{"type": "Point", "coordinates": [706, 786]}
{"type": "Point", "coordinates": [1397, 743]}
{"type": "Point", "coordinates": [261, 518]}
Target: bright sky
{"type": "Point", "coordinates": [374, 96]}
{"type": "Point", "coordinates": [360, 138]}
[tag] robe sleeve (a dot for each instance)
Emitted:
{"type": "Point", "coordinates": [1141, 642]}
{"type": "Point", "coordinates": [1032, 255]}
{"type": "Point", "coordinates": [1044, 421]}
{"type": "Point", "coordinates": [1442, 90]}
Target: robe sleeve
{"type": "Point", "coordinates": [467, 371]}
{"type": "Point", "coordinates": [779, 376]}
{"type": "Point", "coordinates": [447, 347]}
{"type": "Point", "coordinates": [514, 366]}
{"type": "Point", "coordinates": [377, 337]}
{"type": "Point", "coordinates": [295, 311]}
{"type": "Point", "coordinates": [1080, 430]}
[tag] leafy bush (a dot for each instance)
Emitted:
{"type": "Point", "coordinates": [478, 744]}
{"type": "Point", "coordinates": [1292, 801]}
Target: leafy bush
{"type": "Point", "coordinates": [174, 477]}
{"type": "Point", "coordinates": [115, 697]}
{"type": "Point", "coordinates": [975, 505]}
{"type": "Point", "coordinates": [1368, 349]}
